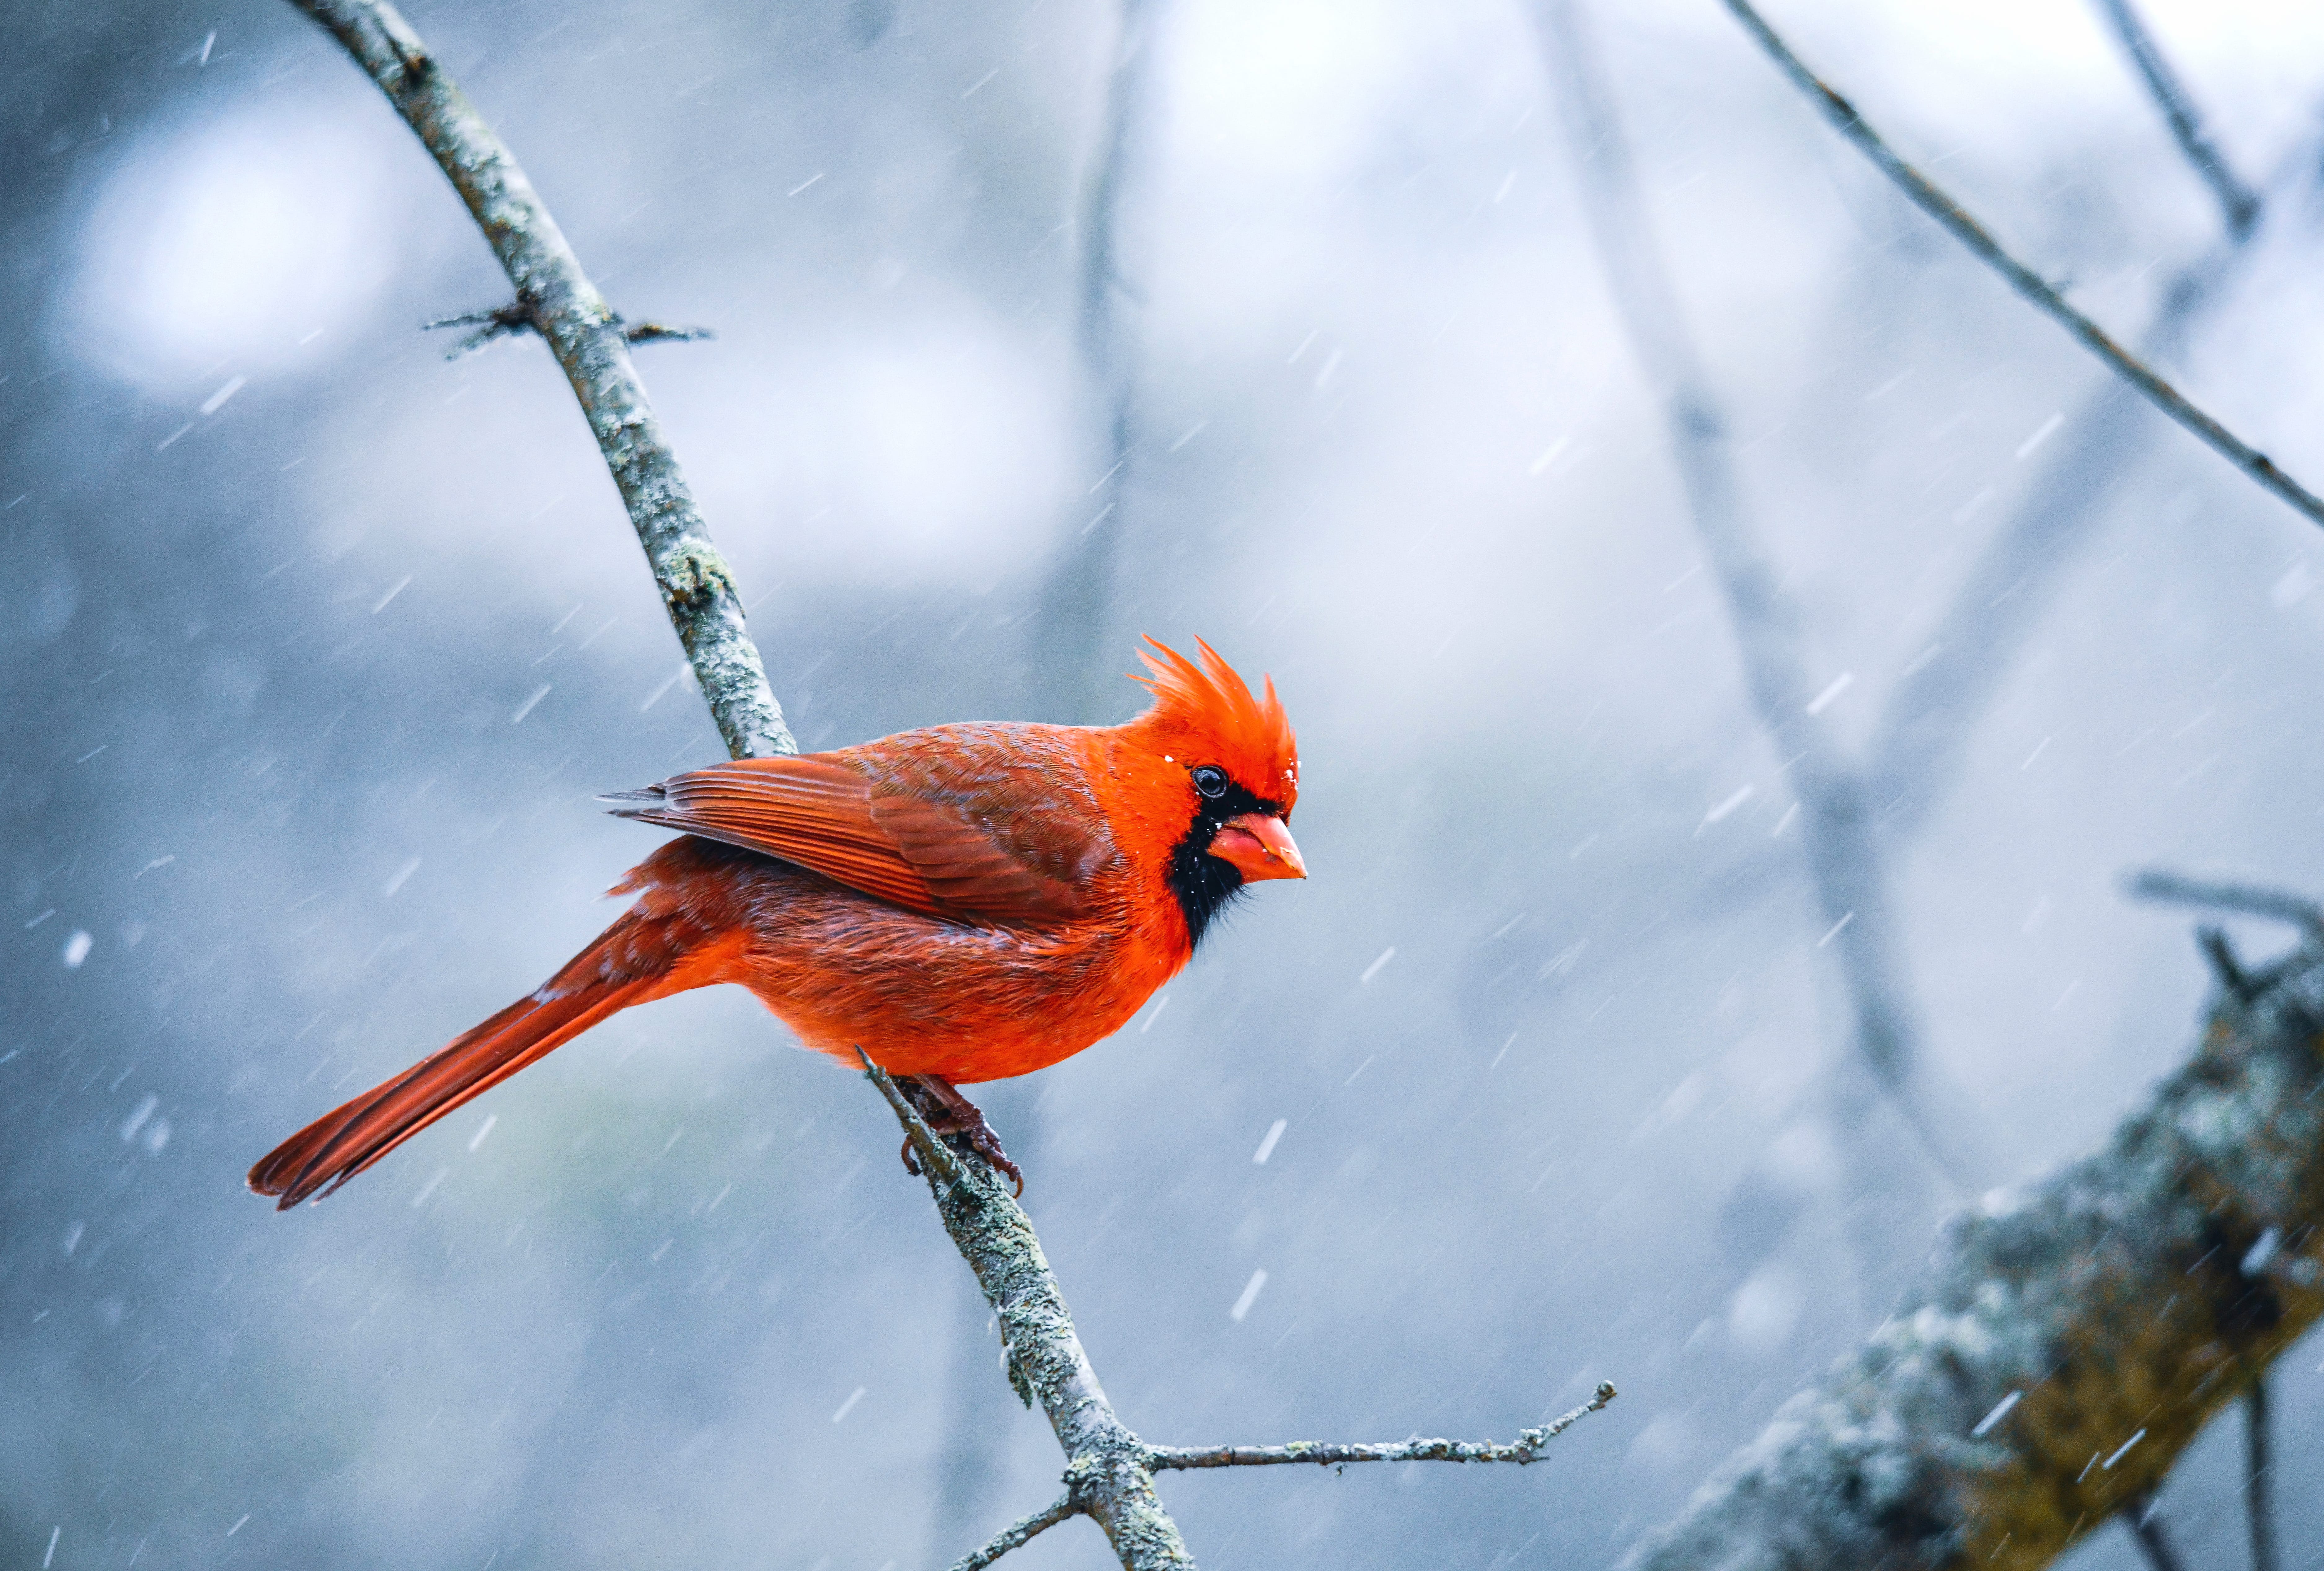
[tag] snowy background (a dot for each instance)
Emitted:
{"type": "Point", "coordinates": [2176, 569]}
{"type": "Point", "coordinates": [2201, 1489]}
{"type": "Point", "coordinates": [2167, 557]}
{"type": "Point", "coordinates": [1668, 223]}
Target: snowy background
{"type": "Point", "coordinates": [315, 647]}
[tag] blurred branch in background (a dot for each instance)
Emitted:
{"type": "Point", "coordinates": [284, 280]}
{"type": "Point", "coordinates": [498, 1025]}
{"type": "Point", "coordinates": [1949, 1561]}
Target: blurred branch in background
{"type": "Point", "coordinates": [2238, 205]}
{"type": "Point", "coordinates": [2259, 1510]}
{"type": "Point", "coordinates": [2251, 899]}
{"type": "Point", "coordinates": [1073, 620]}
{"type": "Point", "coordinates": [1837, 833]}
{"type": "Point", "coordinates": [2029, 284]}
{"type": "Point", "coordinates": [1109, 1470]}
{"type": "Point", "coordinates": [556, 297]}
{"type": "Point", "coordinates": [2071, 1338]}
{"type": "Point", "coordinates": [1918, 742]}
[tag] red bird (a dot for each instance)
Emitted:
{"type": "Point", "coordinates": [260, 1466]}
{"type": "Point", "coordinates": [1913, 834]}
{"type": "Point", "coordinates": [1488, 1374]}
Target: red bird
{"type": "Point", "coordinates": [965, 902]}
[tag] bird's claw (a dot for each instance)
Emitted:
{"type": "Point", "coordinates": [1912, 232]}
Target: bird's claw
{"type": "Point", "coordinates": [954, 1118]}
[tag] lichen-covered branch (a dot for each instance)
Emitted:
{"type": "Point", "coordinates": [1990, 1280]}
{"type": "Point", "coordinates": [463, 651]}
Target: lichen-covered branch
{"type": "Point", "coordinates": [1109, 1470]}
{"type": "Point", "coordinates": [1524, 1450]}
{"type": "Point", "coordinates": [2238, 205]}
{"type": "Point", "coordinates": [1106, 1476]}
{"type": "Point", "coordinates": [556, 300]}
{"type": "Point", "coordinates": [1843, 854]}
{"type": "Point", "coordinates": [1957, 221]}
{"type": "Point", "coordinates": [1018, 1534]}
{"type": "Point", "coordinates": [2070, 1339]}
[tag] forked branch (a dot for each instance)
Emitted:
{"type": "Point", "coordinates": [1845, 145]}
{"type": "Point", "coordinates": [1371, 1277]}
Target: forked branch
{"type": "Point", "coordinates": [1109, 1470]}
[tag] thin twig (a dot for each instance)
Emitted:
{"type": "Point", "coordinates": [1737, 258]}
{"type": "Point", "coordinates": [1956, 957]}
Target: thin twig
{"type": "Point", "coordinates": [2177, 889]}
{"type": "Point", "coordinates": [1018, 1534]}
{"type": "Point", "coordinates": [1527, 1449]}
{"type": "Point", "coordinates": [1837, 835]}
{"type": "Point", "coordinates": [556, 299]}
{"type": "Point", "coordinates": [2238, 204]}
{"type": "Point", "coordinates": [2258, 1485]}
{"type": "Point", "coordinates": [2145, 1520]}
{"type": "Point", "coordinates": [1956, 219]}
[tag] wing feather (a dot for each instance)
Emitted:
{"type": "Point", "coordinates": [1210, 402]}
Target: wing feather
{"type": "Point", "coordinates": [973, 823]}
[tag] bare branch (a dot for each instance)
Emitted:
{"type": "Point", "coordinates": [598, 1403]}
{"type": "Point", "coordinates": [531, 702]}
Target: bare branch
{"type": "Point", "coordinates": [556, 299]}
{"type": "Point", "coordinates": [2258, 1485]}
{"type": "Point", "coordinates": [1525, 1449]}
{"type": "Point", "coordinates": [1843, 854]}
{"type": "Point", "coordinates": [2144, 1517]}
{"type": "Point", "coordinates": [1106, 1468]}
{"type": "Point", "coordinates": [2177, 889]}
{"type": "Point", "coordinates": [2071, 1338]}
{"type": "Point", "coordinates": [2029, 284]}
{"type": "Point", "coordinates": [2238, 203]}
{"type": "Point", "coordinates": [1018, 1534]}
{"type": "Point", "coordinates": [1108, 1476]}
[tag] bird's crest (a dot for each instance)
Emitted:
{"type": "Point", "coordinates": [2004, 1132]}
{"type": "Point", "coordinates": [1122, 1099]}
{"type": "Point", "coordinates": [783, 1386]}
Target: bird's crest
{"type": "Point", "coordinates": [1209, 703]}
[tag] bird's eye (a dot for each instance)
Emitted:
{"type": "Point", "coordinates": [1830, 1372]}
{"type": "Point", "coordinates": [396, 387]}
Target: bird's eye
{"type": "Point", "coordinates": [1210, 780]}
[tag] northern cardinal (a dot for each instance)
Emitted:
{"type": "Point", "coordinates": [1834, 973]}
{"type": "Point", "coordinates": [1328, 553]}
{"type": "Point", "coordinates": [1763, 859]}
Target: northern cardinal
{"type": "Point", "coordinates": [963, 903]}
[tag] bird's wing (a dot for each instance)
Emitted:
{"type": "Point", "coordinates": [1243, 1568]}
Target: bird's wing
{"type": "Point", "coordinates": [978, 824]}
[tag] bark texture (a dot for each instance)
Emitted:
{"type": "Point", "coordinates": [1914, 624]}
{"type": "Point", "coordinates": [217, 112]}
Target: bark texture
{"type": "Point", "coordinates": [2116, 1307]}
{"type": "Point", "coordinates": [556, 297]}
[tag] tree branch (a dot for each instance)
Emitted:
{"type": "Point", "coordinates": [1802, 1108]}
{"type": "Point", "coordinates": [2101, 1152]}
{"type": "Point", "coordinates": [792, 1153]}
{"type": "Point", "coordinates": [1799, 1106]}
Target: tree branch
{"type": "Point", "coordinates": [1106, 1476]}
{"type": "Point", "coordinates": [2030, 285]}
{"type": "Point", "coordinates": [510, 321]}
{"type": "Point", "coordinates": [1837, 835]}
{"type": "Point", "coordinates": [556, 297]}
{"type": "Point", "coordinates": [2177, 889]}
{"type": "Point", "coordinates": [1018, 1534]}
{"type": "Point", "coordinates": [2258, 1486]}
{"type": "Point", "coordinates": [1109, 1471]}
{"type": "Point", "coordinates": [2070, 1339]}
{"type": "Point", "coordinates": [1525, 1449]}
{"type": "Point", "coordinates": [2238, 205]}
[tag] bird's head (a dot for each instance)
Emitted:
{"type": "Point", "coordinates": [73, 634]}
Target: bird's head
{"type": "Point", "coordinates": [1221, 768]}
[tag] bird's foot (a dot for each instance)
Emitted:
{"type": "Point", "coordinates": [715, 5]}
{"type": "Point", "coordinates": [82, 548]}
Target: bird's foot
{"type": "Point", "coordinates": [953, 1117]}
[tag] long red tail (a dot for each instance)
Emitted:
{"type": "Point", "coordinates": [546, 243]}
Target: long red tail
{"type": "Point", "coordinates": [643, 956]}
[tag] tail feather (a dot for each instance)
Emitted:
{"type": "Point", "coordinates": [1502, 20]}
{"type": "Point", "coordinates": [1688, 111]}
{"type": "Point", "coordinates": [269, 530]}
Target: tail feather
{"type": "Point", "coordinates": [633, 961]}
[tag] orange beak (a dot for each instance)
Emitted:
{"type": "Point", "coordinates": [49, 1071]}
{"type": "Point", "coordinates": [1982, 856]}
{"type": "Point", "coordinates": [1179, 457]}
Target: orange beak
{"type": "Point", "coordinates": [1258, 845]}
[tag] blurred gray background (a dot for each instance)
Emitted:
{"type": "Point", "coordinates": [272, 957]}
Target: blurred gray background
{"type": "Point", "coordinates": [315, 648]}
